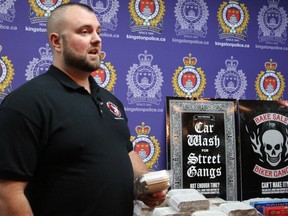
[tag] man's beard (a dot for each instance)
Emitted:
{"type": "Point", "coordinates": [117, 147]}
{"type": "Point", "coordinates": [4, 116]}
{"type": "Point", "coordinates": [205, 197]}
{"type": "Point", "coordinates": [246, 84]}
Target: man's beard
{"type": "Point", "coordinates": [78, 61]}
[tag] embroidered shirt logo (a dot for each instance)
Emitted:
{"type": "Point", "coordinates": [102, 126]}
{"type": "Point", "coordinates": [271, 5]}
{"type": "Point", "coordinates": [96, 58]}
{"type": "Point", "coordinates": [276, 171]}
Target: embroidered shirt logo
{"type": "Point", "coordinates": [114, 109]}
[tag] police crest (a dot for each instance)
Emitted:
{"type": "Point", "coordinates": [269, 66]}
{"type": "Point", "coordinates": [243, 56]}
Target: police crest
{"type": "Point", "coordinates": [106, 12]}
{"type": "Point", "coordinates": [41, 10]}
{"type": "Point", "coordinates": [7, 10]}
{"type": "Point", "coordinates": [231, 83]}
{"type": "Point", "coordinates": [270, 85]}
{"type": "Point", "coordinates": [233, 19]}
{"type": "Point", "coordinates": [6, 75]}
{"type": "Point", "coordinates": [272, 21]}
{"type": "Point", "coordinates": [105, 76]}
{"type": "Point", "coordinates": [39, 66]}
{"type": "Point", "coordinates": [148, 148]}
{"type": "Point", "coordinates": [144, 81]}
{"type": "Point", "coordinates": [146, 15]}
{"type": "Point", "coordinates": [191, 18]}
{"type": "Point", "coordinates": [189, 81]}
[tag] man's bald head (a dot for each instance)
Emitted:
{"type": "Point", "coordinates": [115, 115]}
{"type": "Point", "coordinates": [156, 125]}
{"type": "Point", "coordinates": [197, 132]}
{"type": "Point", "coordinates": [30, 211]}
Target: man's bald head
{"type": "Point", "coordinates": [55, 21]}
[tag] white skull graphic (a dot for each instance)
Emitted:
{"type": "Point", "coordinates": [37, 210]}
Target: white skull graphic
{"type": "Point", "coordinates": [273, 146]}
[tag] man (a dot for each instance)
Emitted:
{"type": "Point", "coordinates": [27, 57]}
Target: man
{"type": "Point", "coordinates": [65, 148]}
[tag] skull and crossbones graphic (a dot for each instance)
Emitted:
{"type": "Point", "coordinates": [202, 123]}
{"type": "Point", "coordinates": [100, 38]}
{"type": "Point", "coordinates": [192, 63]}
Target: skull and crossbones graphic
{"type": "Point", "coordinates": [270, 145]}
{"type": "Point", "coordinates": [273, 142]}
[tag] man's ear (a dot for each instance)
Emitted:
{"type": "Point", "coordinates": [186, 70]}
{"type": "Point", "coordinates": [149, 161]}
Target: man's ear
{"type": "Point", "coordinates": [55, 40]}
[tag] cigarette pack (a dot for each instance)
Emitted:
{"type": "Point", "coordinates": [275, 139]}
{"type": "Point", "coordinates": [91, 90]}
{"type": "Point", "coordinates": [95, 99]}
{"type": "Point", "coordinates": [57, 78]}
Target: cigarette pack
{"type": "Point", "coordinates": [260, 205]}
{"type": "Point", "coordinates": [275, 210]}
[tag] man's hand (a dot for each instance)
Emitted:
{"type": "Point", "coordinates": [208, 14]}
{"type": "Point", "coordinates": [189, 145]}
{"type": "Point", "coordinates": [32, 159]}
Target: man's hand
{"type": "Point", "coordinates": [153, 199]}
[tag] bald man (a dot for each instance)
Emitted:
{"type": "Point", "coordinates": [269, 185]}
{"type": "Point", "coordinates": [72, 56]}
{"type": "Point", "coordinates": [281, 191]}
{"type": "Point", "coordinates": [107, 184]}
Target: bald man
{"type": "Point", "coordinates": [65, 145]}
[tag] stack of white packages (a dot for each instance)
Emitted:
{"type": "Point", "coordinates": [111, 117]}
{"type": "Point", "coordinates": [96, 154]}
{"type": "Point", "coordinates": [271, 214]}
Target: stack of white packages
{"type": "Point", "coordinates": [216, 201]}
{"type": "Point", "coordinates": [238, 208]}
{"type": "Point", "coordinates": [169, 211]}
{"type": "Point", "coordinates": [152, 182]}
{"type": "Point", "coordinates": [256, 199]}
{"type": "Point", "coordinates": [156, 181]}
{"type": "Point", "coordinates": [190, 202]}
{"type": "Point", "coordinates": [140, 209]}
{"type": "Point", "coordinates": [209, 213]}
{"type": "Point", "coordinates": [187, 200]}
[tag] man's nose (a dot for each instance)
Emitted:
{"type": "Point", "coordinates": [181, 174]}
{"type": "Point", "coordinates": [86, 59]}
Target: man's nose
{"type": "Point", "coordinates": [96, 38]}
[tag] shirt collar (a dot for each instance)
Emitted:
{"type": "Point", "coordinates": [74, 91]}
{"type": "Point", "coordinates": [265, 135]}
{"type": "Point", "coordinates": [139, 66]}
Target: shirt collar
{"type": "Point", "coordinates": [68, 82]}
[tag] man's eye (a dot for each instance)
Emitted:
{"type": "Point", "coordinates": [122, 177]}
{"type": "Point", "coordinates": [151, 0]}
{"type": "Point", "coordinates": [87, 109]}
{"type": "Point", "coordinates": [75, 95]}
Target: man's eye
{"type": "Point", "coordinates": [84, 32]}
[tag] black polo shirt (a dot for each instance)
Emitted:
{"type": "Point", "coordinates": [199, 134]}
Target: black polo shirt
{"type": "Point", "coordinates": [71, 146]}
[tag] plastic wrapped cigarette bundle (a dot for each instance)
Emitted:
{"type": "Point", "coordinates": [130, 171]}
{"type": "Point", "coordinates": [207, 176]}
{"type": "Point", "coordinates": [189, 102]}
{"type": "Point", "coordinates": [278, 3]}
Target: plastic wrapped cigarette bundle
{"type": "Point", "coordinates": [169, 211]}
{"type": "Point", "coordinates": [189, 202]}
{"type": "Point", "coordinates": [209, 213]}
{"type": "Point", "coordinates": [152, 182]}
{"type": "Point", "coordinates": [237, 208]}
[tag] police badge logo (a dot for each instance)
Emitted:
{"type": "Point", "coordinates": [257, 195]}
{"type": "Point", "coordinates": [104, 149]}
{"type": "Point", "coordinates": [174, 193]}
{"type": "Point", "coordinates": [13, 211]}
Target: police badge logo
{"type": "Point", "coordinates": [189, 81]}
{"type": "Point", "coordinates": [191, 18]}
{"type": "Point", "coordinates": [231, 83]}
{"type": "Point", "coordinates": [270, 85]}
{"type": "Point", "coordinates": [7, 10]}
{"type": "Point", "coordinates": [41, 10]}
{"type": "Point", "coordinates": [233, 19]}
{"type": "Point", "coordinates": [106, 12]}
{"type": "Point", "coordinates": [272, 21]}
{"type": "Point", "coordinates": [105, 76]}
{"type": "Point", "coordinates": [39, 66]}
{"type": "Point", "coordinates": [144, 81]}
{"type": "Point", "coordinates": [6, 75]}
{"type": "Point", "coordinates": [146, 15]}
{"type": "Point", "coordinates": [148, 148]}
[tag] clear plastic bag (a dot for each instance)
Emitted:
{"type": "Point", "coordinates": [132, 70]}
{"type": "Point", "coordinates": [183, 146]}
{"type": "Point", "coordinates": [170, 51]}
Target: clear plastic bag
{"type": "Point", "coordinates": [152, 182]}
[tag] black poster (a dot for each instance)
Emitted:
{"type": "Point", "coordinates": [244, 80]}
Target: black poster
{"type": "Point", "coordinates": [203, 152]}
{"type": "Point", "coordinates": [264, 148]}
{"type": "Point", "coordinates": [202, 146]}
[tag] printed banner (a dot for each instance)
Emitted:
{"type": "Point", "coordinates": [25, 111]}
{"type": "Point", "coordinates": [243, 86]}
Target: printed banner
{"type": "Point", "coordinates": [201, 146]}
{"type": "Point", "coordinates": [264, 148]}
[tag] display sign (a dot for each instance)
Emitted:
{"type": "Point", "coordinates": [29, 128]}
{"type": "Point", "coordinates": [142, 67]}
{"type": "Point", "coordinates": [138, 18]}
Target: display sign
{"type": "Point", "coordinates": [201, 145]}
{"type": "Point", "coordinates": [264, 148]}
